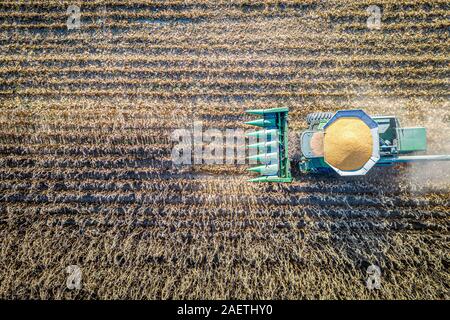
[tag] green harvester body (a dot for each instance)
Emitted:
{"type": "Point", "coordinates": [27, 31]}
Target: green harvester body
{"type": "Point", "coordinates": [391, 144]}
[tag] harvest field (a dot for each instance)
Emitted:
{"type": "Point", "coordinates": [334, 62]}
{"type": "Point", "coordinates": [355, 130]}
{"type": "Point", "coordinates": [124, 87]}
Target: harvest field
{"type": "Point", "coordinates": [86, 172]}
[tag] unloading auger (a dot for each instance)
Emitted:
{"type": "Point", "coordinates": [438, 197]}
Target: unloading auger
{"type": "Point", "coordinates": [348, 142]}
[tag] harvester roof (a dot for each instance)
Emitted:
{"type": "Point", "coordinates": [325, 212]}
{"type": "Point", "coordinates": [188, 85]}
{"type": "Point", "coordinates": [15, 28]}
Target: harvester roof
{"type": "Point", "coordinates": [351, 142]}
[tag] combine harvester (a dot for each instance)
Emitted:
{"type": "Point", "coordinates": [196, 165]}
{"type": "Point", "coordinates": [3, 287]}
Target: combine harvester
{"type": "Point", "coordinates": [349, 142]}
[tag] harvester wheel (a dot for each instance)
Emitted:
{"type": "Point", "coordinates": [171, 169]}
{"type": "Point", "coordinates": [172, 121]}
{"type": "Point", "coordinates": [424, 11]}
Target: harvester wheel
{"type": "Point", "coordinates": [316, 117]}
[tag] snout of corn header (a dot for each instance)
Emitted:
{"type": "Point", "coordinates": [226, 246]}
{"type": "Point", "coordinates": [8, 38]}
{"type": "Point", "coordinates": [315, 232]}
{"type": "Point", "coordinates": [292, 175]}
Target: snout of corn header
{"type": "Point", "coordinates": [270, 149]}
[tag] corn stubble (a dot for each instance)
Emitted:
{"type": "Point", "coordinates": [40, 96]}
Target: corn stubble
{"type": "Point", "coordinates": [86, 176]}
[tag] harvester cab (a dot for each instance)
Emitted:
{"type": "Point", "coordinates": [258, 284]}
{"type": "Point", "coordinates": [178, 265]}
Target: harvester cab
{"type": "Point", "coordinates": [348, 142]}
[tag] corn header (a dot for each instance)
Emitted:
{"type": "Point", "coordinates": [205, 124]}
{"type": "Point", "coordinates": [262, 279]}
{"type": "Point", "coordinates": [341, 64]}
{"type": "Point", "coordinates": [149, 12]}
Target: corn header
{"type": "Point", "coordinates": [273, 146]}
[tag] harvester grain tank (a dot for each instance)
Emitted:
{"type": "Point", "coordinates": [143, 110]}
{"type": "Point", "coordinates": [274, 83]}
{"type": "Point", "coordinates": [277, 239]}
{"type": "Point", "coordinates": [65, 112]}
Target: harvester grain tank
{"type": "Point", "coordinates": [348, 142]}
